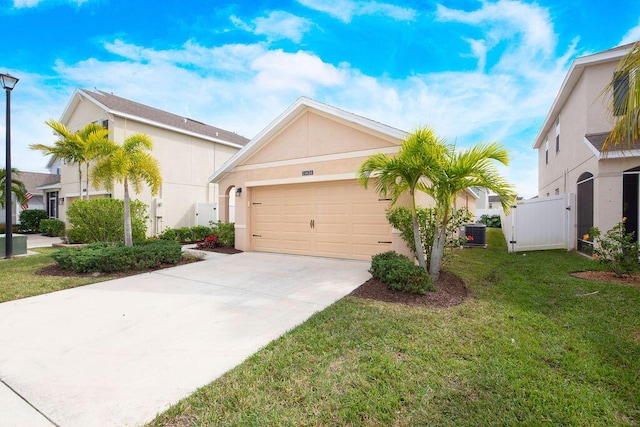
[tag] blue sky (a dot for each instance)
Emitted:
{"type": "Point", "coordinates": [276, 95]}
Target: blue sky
{"type": "Point", "coordinates": [474, 70]}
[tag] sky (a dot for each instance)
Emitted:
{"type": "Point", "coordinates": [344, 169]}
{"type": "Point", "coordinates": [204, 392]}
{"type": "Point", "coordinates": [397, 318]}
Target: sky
{"type": "Point", "coordinates": [475, 71]}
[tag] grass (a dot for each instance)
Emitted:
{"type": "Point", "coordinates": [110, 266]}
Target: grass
{"type": "Point", "coordinates": [532, 346]}
{"type": "Point", "coordinates": [18, 278]}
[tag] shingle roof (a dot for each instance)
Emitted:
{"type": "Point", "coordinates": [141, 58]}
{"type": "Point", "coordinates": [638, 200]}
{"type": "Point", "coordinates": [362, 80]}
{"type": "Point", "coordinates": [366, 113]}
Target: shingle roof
{"type": "Point", "coordinates": [117, 104]}
{"type": "Point", "coordinates": [33, 180]}
{"type": "Point", "coordinates": [597, 140]}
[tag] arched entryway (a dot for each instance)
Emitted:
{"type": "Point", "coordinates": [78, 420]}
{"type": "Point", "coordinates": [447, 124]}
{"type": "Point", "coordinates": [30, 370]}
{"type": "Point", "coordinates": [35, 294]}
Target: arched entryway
{"type": "Point", "coordinates": [630, 197]}
{"type": "Point", "coordinates": [585, 210]}
{"type": "Point", "coordinates": [230, 205]}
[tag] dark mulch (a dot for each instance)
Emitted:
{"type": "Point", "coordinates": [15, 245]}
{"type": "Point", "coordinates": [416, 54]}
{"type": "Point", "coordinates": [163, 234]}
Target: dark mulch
{"type": "Point", "coordinates": [221, 250]}
{"type": "Point", "coordinates": [609, 277]}
{"type": "Point", "coordinates": [451, 291]}
{"type": "Point", "coordinates": [55, 270]}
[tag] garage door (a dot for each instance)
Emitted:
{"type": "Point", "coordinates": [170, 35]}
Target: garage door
{"type": "Point", "coordinates": [333, 219]}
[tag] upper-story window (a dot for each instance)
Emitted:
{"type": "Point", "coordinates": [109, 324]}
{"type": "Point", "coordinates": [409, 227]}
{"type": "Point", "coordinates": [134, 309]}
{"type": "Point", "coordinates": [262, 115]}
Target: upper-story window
{"type": "Point", "coordinates": [558, 134]}
{"type": "Point", "coordinates": [546, 151]}
{"type": "Point", "coordinates": [620, 90]}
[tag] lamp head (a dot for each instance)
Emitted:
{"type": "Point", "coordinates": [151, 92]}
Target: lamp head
{"type": "Point", "coordinates": [8, 81]}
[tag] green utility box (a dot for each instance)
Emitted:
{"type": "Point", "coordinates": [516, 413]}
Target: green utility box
{"type": "Point", "coordinates": [19, 245]}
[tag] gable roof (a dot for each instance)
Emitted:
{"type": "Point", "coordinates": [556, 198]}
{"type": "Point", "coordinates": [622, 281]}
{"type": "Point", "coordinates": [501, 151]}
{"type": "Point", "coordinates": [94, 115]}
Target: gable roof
{"type": "Point", "coordinates": [33, 180]}
{"type": "Point", "coordinates": [299, 107]}
{"type": "Point", "coordinates": [571, 79]}
{"type": "Point", "coordinates": [125, 108]}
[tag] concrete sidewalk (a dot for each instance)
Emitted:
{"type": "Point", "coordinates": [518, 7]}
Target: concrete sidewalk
{"type": "Point", "coordinates": [116, 353]}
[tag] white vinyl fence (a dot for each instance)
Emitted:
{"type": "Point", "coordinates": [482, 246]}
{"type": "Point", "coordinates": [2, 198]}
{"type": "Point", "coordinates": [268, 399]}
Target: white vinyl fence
{"type": "Point", "coordinates": [541, 223]}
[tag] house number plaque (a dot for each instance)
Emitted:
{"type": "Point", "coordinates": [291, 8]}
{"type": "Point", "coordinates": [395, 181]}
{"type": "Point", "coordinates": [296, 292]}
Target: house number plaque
{"type": "Point", "coordinates": [307, 173]}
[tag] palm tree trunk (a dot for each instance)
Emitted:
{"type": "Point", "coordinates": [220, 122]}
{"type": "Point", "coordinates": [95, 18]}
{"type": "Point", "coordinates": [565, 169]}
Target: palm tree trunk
{"type": "Point", "coordinates": [416, 234]}
{"type": "Point", "coordinates": [80, 181]}
{"type": "Point", "coordinates": [87, 178]}
{"type": "Point", "coordinates": [128, 239]}
{"type": "Point", "coordinates": [437, 252]}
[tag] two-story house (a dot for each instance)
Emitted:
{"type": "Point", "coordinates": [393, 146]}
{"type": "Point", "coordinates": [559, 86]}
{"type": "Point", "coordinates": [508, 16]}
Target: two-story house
{"type": "Point", "coordinates": [570, 154]}
{"type": "Point", "coordinates": [187, 151]}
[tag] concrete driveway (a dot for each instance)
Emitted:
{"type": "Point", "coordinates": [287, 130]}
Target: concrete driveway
{"type": "Point", "coordinates": [118, 352]}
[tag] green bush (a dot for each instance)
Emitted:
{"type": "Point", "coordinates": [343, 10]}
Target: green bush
{"type": "Point", "coordinates": [3, 228]}
{"type": "Point", "coordinates": [109, 258]}
{"type": "Point", "coordinates": [186, 234]}
{"type": "Point", "coordinates": [617, 249]}
{"type": "Point", "coordinates": [400, 219]}
{"type": "Point", "coordinates": [52, 227]}
{"type": "Point", "coordinates": [102, 220]}
{"type": "Point", "coordinates": [400, 273]}
{"type": "Point", "coordinates": [491, 221]}
{"type": "Point", "coordinates": [30, 220]}
{"type": "Point", "coordinates": [226, 232]}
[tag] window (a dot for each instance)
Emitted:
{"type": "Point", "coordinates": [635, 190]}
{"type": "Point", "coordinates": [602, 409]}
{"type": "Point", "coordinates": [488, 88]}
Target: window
{"type": "Point", "coordinates": [558, 135]}
{"type": "Point", "coordinates": [620, 90]}
{"type": "Point", "coordinates": [546, 151]}
{"type": "Point", "coordinates": [557, 192]}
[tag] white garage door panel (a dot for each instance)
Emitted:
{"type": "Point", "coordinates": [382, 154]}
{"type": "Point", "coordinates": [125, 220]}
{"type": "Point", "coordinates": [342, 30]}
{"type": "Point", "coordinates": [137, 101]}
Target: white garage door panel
{"type": "Point", "coordinates": [348, 221]}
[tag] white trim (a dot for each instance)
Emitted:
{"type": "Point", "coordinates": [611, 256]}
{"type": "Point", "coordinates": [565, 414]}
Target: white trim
{"type": "Point", "coordinates": [302, 180]}
{"type": "Point", "coordinates": [82, 94]}
{"type": "Point", "coordinates": [294, 111]}
{"type": "Point", "coordinates": [593, 149]}
{"type": "Point", "coordinates": [172, 128]}
{"type": "Point", "coordinates": [314, 159]}
{"type": "Point", "coordinates": [240, 226]}
{"type": "Point", "coordinates": [619, 154]}
{"type": "Point", "coordinates": [569, 82]}
{"type": "Point", "coordinates": [97, 193]}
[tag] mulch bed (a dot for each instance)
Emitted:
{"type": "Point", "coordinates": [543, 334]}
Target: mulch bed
{"type": "Point", "coordinates": [221, 250]}
{"type": "Point", "coordinates": [451, 291]}
{"type": "Point", "coordinates": [609, 277]}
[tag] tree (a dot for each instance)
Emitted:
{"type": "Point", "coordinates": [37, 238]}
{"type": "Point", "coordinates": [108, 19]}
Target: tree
{"type": "Point", "coordinates": [428, 163]}
{"type": "Point", "coordinates": [17, 187]}
{"type": "Point", "coordinates": [402, 173]}
{"type": "Point", "coordinates": [129, 163]}
{"type": "Point", "coordinates": [74, 147]}
{"type": "Point", "coordinates": [624, 105]}
{"type": "Point", "coordinates": [451, 172]}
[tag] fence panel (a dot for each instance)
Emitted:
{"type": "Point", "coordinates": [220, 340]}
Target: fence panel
{"type": "Point", "coordinates": [542, 223]}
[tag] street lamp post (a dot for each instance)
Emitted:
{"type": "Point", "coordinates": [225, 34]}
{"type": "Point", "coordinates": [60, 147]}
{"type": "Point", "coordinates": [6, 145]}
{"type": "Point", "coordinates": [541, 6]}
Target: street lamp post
{"type": "Point", "coordinates": [8, 83]}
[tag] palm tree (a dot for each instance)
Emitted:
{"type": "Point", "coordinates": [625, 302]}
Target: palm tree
{"type": "Point", "coordinates": [402, 173]}
{"type": "Point", "coordinates": [129, 163]}
{"type": "Point", "coordinates": [624, 106]}
{"type": "Point", "coordinates": [451, 172]}
{"type": "Point", "coordinates": [74, 147]}
{"type": "Point", "coordinates": [17, 187]}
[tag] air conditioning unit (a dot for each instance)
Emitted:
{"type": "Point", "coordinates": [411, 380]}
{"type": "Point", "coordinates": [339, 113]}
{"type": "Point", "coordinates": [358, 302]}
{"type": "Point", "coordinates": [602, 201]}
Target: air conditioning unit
{"type": "Point", "coordinates": [476, 235]}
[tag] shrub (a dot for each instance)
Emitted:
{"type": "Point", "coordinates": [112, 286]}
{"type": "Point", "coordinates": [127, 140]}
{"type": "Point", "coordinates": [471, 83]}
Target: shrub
{"type": "Point", "coordinates": [491, 221]}
{"type": "Point", "coordinates": [30, 220]}
{"type": "Point", "coordinates": [109, 258]}
{"type": "Point", "coordinates": [52, 227]}
{"type": "Point", "coordinates": [3, 228]}
{"type": "Point", "coordinates": [186, 234]}
{"type": "Point", "coordinates": [616, 249]}
{"type": "Point", "coordinates": [209, 242]}
{"type": "Point", "coordinates": [400, 273]}
{"type": "Point", "coordinates": [226, 233]}
{"type": "Point", "coordinates": [400, 219]}
{"type": "Point", "coordinates": [102, 220]}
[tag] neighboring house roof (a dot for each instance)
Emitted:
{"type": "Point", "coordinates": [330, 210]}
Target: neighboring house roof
{"type": "Point", "coordinates": [595, 142]}
{"type": "Point", "coordinates": [33, 180]}
{"type": "Point", "coordinates": [122, 107]}
{"type": "Point", "coordinates": [298, 108]}
{"type": "Point", "coordinates": [572, 78]}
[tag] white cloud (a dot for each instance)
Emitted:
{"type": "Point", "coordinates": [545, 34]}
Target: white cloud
{"type": "Point", "coordinates": [19, 4]}
{"type": "Point", "coordinates": [243, 87]}
{"type": "Point", "coordinates": [282, 25]}
{"type": "Point", "coordinates": [345, 10]}
{"type": "Point", "coordinates": [633, 35]}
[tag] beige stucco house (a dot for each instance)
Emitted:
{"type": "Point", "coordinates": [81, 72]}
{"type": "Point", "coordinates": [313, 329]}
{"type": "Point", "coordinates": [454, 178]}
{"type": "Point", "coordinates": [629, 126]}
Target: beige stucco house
{"type": "Point", "coordinates": [187, 151]}
{"type": "Point", "coordinates": [295, 189]}
{"type": "Point", "coordinates": [570, 155]}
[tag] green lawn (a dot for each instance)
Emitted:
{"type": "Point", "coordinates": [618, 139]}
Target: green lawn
{"type": "Point", "coordinates": [531, 346]}
{"type": "Point", "coordinates": [17, 278]}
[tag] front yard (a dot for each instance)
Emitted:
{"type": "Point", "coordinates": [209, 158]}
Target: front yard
{"type": "Point", "coordinates": [532, 345]}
